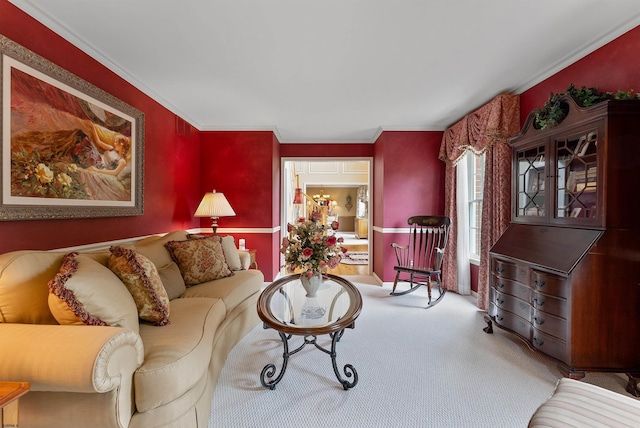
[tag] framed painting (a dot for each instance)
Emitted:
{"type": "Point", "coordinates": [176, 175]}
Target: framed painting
{"type": "Point", "coordinates": [69, 149]}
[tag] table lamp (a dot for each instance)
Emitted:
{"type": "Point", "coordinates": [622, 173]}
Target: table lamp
{"type": "Point", "coordinates": [214, 205]}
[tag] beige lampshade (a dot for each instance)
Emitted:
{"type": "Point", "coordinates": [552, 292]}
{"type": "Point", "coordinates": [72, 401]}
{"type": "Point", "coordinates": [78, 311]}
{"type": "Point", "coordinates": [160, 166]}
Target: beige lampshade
{"type": "Point", "coordinates": [214, 205]}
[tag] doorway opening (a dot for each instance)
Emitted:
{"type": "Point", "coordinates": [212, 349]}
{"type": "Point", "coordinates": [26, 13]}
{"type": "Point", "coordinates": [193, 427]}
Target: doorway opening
{"type": "Point", "coordinates": [342, 187]}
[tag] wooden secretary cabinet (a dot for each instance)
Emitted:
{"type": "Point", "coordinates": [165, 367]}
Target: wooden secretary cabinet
{"type": "Point", "coordinates": [565, 275]}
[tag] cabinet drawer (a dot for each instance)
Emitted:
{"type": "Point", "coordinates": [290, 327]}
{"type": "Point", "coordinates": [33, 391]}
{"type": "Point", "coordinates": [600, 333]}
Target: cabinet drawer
{"type": "Point", "coordinates": [514, 323]}
{"type": "Point", "coordinates": [512, 287]}
{"type": "Point", "coordinates": [513, 304]}
{"type": "Point", "coordinates": [551, 305]}
{"type": "Point", "coordinates": [549, 345]}
{"type": "Point", "coordinates": [510, 270]}
{"type": "Point", "coordinates": [550, 284]}
{"type": "Point", "coordinates": [550, 324]}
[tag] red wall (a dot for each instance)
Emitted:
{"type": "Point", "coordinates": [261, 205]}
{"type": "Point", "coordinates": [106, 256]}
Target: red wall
{"type": "Point", "coordinates": [408, 180]}
{"type": "Point", "coordinates": [171, 173]}
{"type": "Point", "coordinates": [611, 68]}
{"type": "Point", "coordinates": [245, 166]}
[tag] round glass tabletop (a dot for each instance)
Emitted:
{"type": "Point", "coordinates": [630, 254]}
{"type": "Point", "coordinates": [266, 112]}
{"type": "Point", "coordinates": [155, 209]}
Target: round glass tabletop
{"type": "Point", "coordinates": [285, 306]}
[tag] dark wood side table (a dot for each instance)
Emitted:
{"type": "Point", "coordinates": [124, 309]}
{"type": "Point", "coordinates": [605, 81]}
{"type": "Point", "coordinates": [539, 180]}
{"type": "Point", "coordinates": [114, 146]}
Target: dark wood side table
{"type": "Point", "coordinates": [10, 392]}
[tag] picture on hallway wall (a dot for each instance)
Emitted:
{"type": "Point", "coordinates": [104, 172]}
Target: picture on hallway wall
{"type": "Point", "coordinates": [69, 149]}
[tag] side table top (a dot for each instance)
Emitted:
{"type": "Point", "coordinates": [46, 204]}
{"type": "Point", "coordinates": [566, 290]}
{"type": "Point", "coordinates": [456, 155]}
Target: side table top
{"type": "Point", "coordinates": [281, 306]}
{"type": "Point", "coordinates": [10, 391]}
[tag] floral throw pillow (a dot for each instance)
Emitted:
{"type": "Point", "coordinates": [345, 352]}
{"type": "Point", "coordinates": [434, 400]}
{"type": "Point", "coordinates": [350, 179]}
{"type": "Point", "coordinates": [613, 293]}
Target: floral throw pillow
{"type": "Point", "coordinates": [199, 260]}
{"type": "Point", "coordinates": [231, 256]}
{"type": "Point", "coordinates": [141, 278]}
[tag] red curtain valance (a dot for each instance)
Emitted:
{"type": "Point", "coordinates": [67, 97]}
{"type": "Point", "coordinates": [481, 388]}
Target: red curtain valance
{"type": "Point", "coordinates": [479, 130]}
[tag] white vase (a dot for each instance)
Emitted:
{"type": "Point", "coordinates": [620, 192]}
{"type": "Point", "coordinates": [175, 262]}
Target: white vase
{"type": "Point", "coordinates": [311, 284]}
{"type": "Point", "coordinates": [311, 309]}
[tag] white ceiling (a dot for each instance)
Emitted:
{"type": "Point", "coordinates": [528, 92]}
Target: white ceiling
{"type": "Point", "coordinates": [333, 70]}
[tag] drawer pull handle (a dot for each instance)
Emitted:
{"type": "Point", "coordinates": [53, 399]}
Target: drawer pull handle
{"type": "Point", "coordinates": [539, 302]}
{"type": "Point", "coordinates": [538, 341]}
{"type": "Point", "coordinates": [539, 282]}
{"type": "Point", "coordinates": [538, 321]}
{"type": "Point", "coordinates": [500, 269]}
{"type": "Point", "coordinates": [499, 300]}
{"type": "Point", "coordinates": [499, 284]}
{"type": "Point", "coordinates": [499, 318]}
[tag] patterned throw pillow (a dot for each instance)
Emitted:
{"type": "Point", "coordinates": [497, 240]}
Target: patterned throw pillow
{"type": "Point", "coordinates": [199, 260]}
{"type": "Point", "coordinates": [87, 292]}
{"type": "Point", "coordinates": [228, 242]}
{"type": "Point", "coordinates": [141, 278]}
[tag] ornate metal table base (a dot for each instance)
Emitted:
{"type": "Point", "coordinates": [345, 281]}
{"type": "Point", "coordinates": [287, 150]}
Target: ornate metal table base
{"type": "Point", "coordinates": [269, 371]}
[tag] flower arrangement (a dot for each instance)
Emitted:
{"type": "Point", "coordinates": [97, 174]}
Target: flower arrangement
{"type": "Point", "coordinates": [37, 174]}
{"type": "Point", "coordinates": [310, 249]}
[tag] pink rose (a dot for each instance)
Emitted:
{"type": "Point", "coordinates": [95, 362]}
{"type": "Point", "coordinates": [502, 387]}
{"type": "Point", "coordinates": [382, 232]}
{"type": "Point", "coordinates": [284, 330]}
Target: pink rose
{"type": "Point", "coordinates": [285, 242]}
{"type": "Point", "coordinates": [334, 262]}
{"type": "Point", "coordinates": [341, 239]}
{"type": "Point", "coordinates": [344, 249]}
{"type": "Point", "coordinates": [335, 225]}
{"type": "Point", "coordinates": [307, 252]}
{"type": "Point", "coordinates": [331, 240]}
{"type": "Point", "coordinates": [322, 263]}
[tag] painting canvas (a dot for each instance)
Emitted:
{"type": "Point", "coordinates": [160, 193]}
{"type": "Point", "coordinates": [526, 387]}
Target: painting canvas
{"type": "Point", "coordinates": [69, 149]}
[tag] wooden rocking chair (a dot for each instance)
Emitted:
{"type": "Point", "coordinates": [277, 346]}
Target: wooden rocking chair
{"type": "Point", "coordinates": [421, 260]}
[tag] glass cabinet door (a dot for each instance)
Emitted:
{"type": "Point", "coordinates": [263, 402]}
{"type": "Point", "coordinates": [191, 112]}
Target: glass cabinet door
{"type": "Point", "coordinates": [576, 167]}
{"type": "Point", "coordinates": [530, 182]}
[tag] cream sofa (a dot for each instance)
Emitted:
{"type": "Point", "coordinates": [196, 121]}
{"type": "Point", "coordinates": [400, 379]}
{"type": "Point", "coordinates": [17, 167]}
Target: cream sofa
{"type": "Point", "coordinates": [106, 376]}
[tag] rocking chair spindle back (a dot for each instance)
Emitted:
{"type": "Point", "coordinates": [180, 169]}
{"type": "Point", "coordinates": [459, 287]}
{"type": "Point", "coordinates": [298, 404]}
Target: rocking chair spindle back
{"type": "Point", "coordinates": [421, 259]}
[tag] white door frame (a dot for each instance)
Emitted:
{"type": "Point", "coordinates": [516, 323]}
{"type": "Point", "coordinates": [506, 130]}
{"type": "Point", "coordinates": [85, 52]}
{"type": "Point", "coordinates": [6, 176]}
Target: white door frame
{"type": "Point", "coordinates": [285, 191]}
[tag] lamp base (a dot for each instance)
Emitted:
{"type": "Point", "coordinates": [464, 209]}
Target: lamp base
{"type": "Point", "coordinates": [214, 224]}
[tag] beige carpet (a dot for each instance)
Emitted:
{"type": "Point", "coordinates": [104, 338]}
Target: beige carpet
{"type": "Point", "coordinates": [416, 368]}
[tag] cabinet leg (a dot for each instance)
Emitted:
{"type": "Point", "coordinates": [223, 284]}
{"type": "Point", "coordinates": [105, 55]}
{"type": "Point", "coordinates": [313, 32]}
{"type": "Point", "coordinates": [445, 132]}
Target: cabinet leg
{"type": "Point", "coordinates": [632, 385]}
{"type": "Point", "coordinates": [489, 328]}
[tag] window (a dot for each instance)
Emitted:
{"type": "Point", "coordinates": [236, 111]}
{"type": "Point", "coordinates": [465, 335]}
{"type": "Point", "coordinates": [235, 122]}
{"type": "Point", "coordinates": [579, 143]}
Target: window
{"type": "Point", "coordinates": [475, 171]}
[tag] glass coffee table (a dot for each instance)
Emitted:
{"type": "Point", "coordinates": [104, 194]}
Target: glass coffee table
{"type": "Point", "coordinates": [285, 307]}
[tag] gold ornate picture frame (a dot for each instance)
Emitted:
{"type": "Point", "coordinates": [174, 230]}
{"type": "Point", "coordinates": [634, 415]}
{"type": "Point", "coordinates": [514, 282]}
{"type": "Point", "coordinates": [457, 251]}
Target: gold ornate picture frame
{"type": "Point", "coordinates": [69, 149]}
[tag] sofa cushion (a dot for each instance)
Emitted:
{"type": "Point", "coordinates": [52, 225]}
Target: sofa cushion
{"type": "Point", "coordinates": [231, 253]}
{"type": "Point", "coordinates": [24, 290]}
{"type": "Point", "coordinates": [172, 280]}
{"type": "Point", "coordinates": [177, 356]}
{"type": "Point", "coordinates": [580, 404]}
{"type": "Point", "coordinates": [153, 247]}
{"type": "Point", "coordinates": [199, 260]}
{"type": "Point", "coordinates": [232, 290]}
{"type": "Point", "coordinates": [87, 292]}
{"type": "Point", "coordinates": [141, 278]}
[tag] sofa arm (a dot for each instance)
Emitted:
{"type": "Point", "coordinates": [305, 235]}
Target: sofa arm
{"type": "Point", "coordinates": [69, 358]}
{"type": "Point", "coordinates": [245, 259]}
